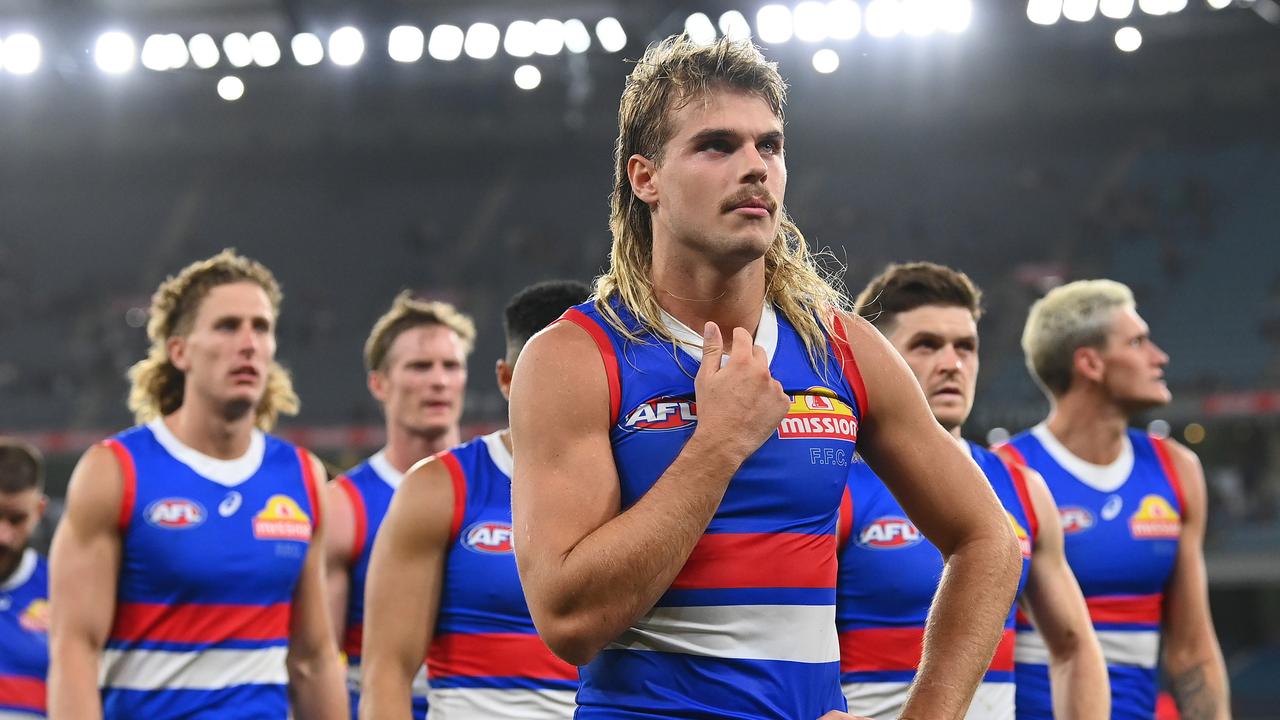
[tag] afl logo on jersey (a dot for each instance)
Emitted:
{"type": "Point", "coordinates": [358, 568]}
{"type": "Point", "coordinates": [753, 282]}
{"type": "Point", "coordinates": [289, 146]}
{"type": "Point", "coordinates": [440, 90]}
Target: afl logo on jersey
{"type": "Point", "coordinates": [662, 414]}
{"type": "Point", "coordinates": [1155, 520]}
{"type": "Point", "coordinates": [488, 537]}
{"type": "Point", "coordinates": [175, 514]}
{"type": "Point", "coordinates": [889, 533]}
{"type": "Point", "coordinates": [1075, 519]}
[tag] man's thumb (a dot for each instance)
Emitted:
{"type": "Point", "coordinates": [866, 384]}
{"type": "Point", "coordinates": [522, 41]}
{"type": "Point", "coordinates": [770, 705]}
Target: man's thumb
{"type": "Point", "coordinates": [712, 348]}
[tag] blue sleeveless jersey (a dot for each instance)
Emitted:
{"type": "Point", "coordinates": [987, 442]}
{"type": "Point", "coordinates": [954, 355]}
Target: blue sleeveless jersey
{"type": "Point", "coordinates": [888, 576]}
{"type": "Point", "coordinates": [747, 629]}
{"type": "Point", "coordinates": [369, 487]}
{"type": "Point", "coordinates": [486, 659]}
{"type": "Point", "coordinates": [212, 553]}
{"type": "Point", "coordinates": [24, 638]}
{"type": "Point", "coordinates": [1121, 544]}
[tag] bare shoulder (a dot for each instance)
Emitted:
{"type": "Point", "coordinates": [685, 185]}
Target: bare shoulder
{"type": "Point", "coordinates": [424, 503]}
{"type": "Point", "coordinates": [96, 488]}
{"type": "Point", "coordinates": [561, 381]}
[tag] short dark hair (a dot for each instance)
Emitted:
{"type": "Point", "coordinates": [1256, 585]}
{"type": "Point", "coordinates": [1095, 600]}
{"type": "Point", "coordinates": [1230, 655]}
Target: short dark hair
{"type": "Point", "coordinates": [903, 287]}
{"type": "Point", "coordinates": [21, 467]}
{"type": "Point", "coordinates": [536, 307]}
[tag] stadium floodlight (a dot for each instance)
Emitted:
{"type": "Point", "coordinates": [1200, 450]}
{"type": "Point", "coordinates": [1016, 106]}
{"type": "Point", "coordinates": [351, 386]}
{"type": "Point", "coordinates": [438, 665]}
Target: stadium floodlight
{"type": "Point", "coordinates": [22, 54]}
{"type": "Point", "coordinates": [1, 53]}
{"type": "Point", "coordinates": [1079, 10]}
{"type": "Point", "coordinates": [1044, 12]}
{"type": "Point", "coordinates": [844, 19]}
{"type": "Point", "coordinates": [528, 77]}
{"type": "Point", "coordinates": [809, 21]}
{"type": "Point", "coordinates": [204, 51]}
{"type": "Point", "coordinates": [1176, 6]}
{"type": "Point", "coordinates": [548, 37]}
{"type": "Point", "coordinates": [307, 49]}
{"type": "Point", "coordinates": [1116, 9]}
{"type": "Point", "coordinates": [1128, 39]}
{"type": "Point", "coordinates": [266, 51]}
{"type": "Point", "coordinates": [611, 35]}
{"type": "Point", "coordinates": [177, 50]}
{"type": "Point", "coordinates": [773, 24]}
{"type": "Point", "coordinates": [1219, 4]}
{"type": "Point", "coordinates": [231, 88]}
{"type": "Point", "coordinates": [446, 42]}
{"type": "Point", "coordinates": [155, 54]}
{"type": "Point", "coordinates": [521, 39]}
{"type": "Point", "coordinates": [482, 41]}
{"type": "Point", "coordinates": [955, 16]}
{"type": "Point", "coordinates": [115, 52]}
{"type": "Point", "coordinates": [346, 46]}
{"type": "Point", "coordinates": [918, 17]}
{"type": "Point", "coordinates": [883, 18]}
{"type": "Point", "coordinates": [237, 49]}
{"type": "Point", "coordinates": [1154, 7]}
{"type": "Point", "coordinates": [404, 44]}
{"type": "Point", "coordinates": [576, 38]}
{"type": "Point", "coordinates": [699, 29]}
{"type": "Point", "coordinates": [734, 26]}
{"type": "Point", "coordinates": [826, 61]}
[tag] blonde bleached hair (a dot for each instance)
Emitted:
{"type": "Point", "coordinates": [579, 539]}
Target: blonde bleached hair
{"type": "Point", "coordinates": [1075, 315]}
{"type": "Point", "coordinates": [671, 74]}
{"type": "Point", "coordinates": [407, 313]}
{"type": "Point", "coordinates": [157, 387]}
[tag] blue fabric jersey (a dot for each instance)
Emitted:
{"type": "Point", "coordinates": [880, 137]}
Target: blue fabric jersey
{"type": "Point", "coordinates": [24, 638]}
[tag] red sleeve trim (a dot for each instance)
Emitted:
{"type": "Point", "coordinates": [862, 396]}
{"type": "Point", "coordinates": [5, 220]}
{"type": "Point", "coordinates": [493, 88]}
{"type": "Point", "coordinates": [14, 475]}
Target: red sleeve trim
{"type": "Point", "coordinates": [309, 479]}
{"type": "Point", "coordinates": [128, 481]}
{"type": "Point", "coordinates": [1170, 470]}
{"type": "Point", "coordinates": [459, 479]}
{"type": "Point", "coordinates": [1024, 497]}
{"type": "Point", "coordinates": [846, 519]}
{"type": "Point", "coordinates": [610, 358]}
{"type": "Point", "coordinates": [359, 514]}
{"type": "Point", "coordinates": [849, 366]}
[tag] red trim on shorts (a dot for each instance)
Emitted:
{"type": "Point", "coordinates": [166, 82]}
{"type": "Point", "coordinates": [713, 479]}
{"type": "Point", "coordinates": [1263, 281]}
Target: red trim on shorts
{"type": "Point", "coordinates": [1170, 471]}
{"type": "Point", "coordinates": [601, 338]}
{"type": "Point", "coordinates": [309, 479]}
{"type": "Point", "coordinates": [849, 366]}
{"type": "Point", "coordinates": [359, 514]}
{"type": "Point", "coordinates": [1024, 497]}
{"type": "Point", "coordinates": [128, 481]}
{"type": "Point", "coordinates": [846, 519]}
{"type": "Point", "coordinates": [459, 479]}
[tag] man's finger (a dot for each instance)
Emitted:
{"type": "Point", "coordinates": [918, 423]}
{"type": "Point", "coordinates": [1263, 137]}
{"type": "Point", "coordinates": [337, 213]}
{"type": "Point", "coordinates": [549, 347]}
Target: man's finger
{"type": "Point", "coordinates": [712, 348]}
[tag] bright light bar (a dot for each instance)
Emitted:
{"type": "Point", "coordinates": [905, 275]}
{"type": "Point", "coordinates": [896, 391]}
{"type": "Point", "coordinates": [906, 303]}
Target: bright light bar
{"type": "Point", "coordinates": [548, 37]}
{"type": "Point", "coordinates": [404, 44]}
{"type": "Point", "coordinates": [611, 35]}
{"type": "Point", "coordinates": [22, 54]}
{"type": "Point", "coordinates": [576, 38]}
{"type": "Point", "coordinates": [1154, 7]}
{"type": "Point", "coordinates": [955, 16]}
{"type": "Point", "coordinates": [1128, 39]}
{"type": "Point", "coordinates": [844, 19]}
{"type": "Point", "coordinates": [1219, 4]}
{"type": "Point", "coordinates": [734, 26]}
{"type": "Point", "coordinates": [346, 46]}
{"type": "Point", "coordinates": [154, 53]}
{"type": "Point", "coordinates": [445, 43]}
{"type": "Point", "coordinates": [918, 17]}
{"type": "Point", "coordinates": [528, 77]}
{"type": "Point", "coordinates": [482, 41]}
{"type": "Point", "coordinates": [177, 51]}
{"type": "Point", "coordinates": [1044, 12]}
{"type": "Point", "coordinates": [1176, 6]}
{"type": "Point", "coordinates": [826, 61]}
{"type": "Point", "coordinates": [231, 88]}
{"type": "Point", "coordinates": [700, 30]}
{"type": "Point", "coordinates": [115, 52]}
{"type": "Point", "coordinates": [307, 49]}
{"type": "Point", "coordinates": [266, 51]}
{"type": "Point", "coordinates": [1116, 9]}
{"type": "Point", "coordinates": [204, 51]}
{"type": "Point", "coordinates": [521, 39]}
{"type": "Point", "coordinates": [238, 50]}
{"type": "Point", "coordinates": [883, 18]}
{"type": "Point", "coordinates": [1079, 10]}
{"type": "Point", "coordinates": [773, 24]}
{"type": "Point", "coordinates": [809, 21]}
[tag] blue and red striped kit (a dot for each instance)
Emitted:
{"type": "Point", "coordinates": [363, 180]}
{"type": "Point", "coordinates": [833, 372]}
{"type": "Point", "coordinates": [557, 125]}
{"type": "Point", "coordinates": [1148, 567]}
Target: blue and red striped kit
{"type": "Point", "coordinates": [24, 638]}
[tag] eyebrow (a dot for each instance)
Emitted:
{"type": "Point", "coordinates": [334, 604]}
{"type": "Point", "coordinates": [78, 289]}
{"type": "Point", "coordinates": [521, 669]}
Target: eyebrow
{"type": "Point", "coordinates": [726, 134]}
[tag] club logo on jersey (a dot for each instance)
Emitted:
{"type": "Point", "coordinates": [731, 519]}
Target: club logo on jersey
{"type": "Point", "coordinates": [1024, 540]}
{"type": "Point", "coordinates": [1155, 520]}
{"type": "Point", "coordinates": [661, 414]}
{"type": "Point", "coordinates": [818, 413]}
{"type": "Point", "coordinates": [175, 514]}
{"type": "Point", "coordinates": [1075, 519]}
{"type": "Point", "coordinates": [36, 617]}
{"type": "Point", "coordinates": [889, 533]}
{"type": "Point", "coordinates": [282, 519]}
{"type": "Point", "coordinates": [488, 537]}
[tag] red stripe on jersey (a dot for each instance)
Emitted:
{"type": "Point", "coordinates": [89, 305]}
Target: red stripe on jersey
{"type": "Point", "coordinates": [1009, 453]}
{"type": "Point", "coordinates": [25, 693]}
{"type": "Point", "coordinates": [899, 649]}
{"type": "Point", "coordinates": [200, 623]}
{"type": "Point", "coordinates": [849, 365]}
{"type": "Point", "coordinates": [1170, 471]}
{"type": "Point", "coordinates": [846, 519]}
{"type": "Point", "coordinates": [359, 515]}
{"type": "Point", "coordinates": [128, 481]}
{"type": "Point", "coordinates": [760, 560]}
{"type": "Point", "coordinates": [495, 655]}
{"type": "Point", "coordinates": [1145, 609]}
{"type": "Point", "coordinates": [459, 479]}
{"type": "Point", "coordinates": [601, 338]}
{"type": "Point", "coordinates": [1021, 617]}
{"type": "Point", "coordinates": [1024, 497]}
{"type": "Point", "coordinates": [353, 640]}
{"type": "Point", "coordinates": [309, 479]}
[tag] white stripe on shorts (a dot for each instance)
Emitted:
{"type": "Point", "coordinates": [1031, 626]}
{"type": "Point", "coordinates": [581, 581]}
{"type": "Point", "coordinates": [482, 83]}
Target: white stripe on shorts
{"type": "Point", "coordinates": [795, 633]}
{"type": "Point", "coordinates": [1137, 648]}
{"type": "Point", "coordinates": [884, 700]}
{"type": "Point", "coordinates": [206, 670]}
{"type": "Point", "coordinates": [510, 704]}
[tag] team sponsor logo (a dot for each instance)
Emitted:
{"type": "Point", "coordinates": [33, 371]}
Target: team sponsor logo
{"type": "Point", "coordinates": [175, 514]}
{"type": "Point", "coordinates": [662, 414]}
{"type": "Point", "coordinates": [818, 413]}
{"type": "Point", "coordinates": [489, 537]}
{"type": "Point", "coordinates": [889, 533]}
{"type": "Point", "coordinates": [281, 519]}
{"type": "Point", "coordinates": [1112, 508]}
{"type": "Point", "coordinates": [1075, 519]}
{"type": "Point", "coordinates": [36, 617]}
{"type": "Point", "coordinates": [1024, 539]}
{"type": "Point", "coordinates": [1155, 520]}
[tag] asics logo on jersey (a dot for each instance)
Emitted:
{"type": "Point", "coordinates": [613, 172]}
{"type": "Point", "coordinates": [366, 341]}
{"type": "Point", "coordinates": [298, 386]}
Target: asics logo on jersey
{"type": "Point", "coordinates": [230, 504]}
{"type": "Point", "coordinates": [1075, 519]}
{"type": "Point", "coordinates": [1112, 508]}
{"type": "Point", "coordinates": [818, 413]}
{"type": "Point", "coordinates": [1155, 520]}
{"type": "Point", "coordinates": [488, 537]}
{"type": "Point", "coordinates": [661, 414]}
{"type": "Point", "coordinates": [175, 514]}
{"type": "Point", "coordinates": [889, 533]}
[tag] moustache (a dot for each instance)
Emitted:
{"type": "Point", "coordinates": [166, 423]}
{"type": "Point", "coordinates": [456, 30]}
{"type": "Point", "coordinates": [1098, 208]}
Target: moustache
{"type": "Point", "coordinates": [747, 195]}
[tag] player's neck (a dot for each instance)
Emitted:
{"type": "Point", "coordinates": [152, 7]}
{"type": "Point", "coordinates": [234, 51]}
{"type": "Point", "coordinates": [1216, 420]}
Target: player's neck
{"type": "Point", "coordinates": [695, 291]}
{"type": "Point", "coordinates": [209, 433]}
{"type": "Point", "coordinates": [405, 447]}
{"type": "Point", "coordinates": [1091, 428]}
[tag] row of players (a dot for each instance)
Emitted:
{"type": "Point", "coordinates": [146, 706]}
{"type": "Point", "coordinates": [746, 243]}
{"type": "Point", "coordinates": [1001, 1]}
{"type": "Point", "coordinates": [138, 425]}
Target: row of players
{"type": "Point", "coordinates": [691, 518]}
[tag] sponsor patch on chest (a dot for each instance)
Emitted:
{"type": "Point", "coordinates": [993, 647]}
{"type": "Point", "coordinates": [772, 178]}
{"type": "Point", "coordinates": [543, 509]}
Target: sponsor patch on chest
{"type": "Point", "coordinates": [282, 519]}
{"type": "Point", "coordinates": [1155, 520]}
{"type": "Point", "coordinates": [36, 617]}
{"type": "Point", "coordinates": [818, 413]}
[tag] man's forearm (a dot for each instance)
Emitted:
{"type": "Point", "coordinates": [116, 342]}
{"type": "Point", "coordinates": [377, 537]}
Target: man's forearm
{"type": "Point", "coordinates": [386, 692]}
{"type": "Point", "coordinates": [965, 624]}
{"type": "Point", "coordinates": [317, 690]}
{"type": "Point", "coordinates": [73, 685]}
{"type": "Point", "coordinates": [1200, 690]}
{"type": "Point", "coordinates": [1081, 689]}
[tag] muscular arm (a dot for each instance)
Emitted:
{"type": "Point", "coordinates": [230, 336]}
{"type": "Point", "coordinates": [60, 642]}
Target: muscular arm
{"type": "Point", "coordinates": [588, 568]}
{"type": "Point", "coordinates": [339, 534]}
{"type": "Point", "coordinates": [1192, 657]}
{"type": "Point", "coordinates": [406, 573]}
{"type": "Point", "coordinates": [947, 497]}
{"type": "Point", "coordinates": [316, 687]}
{"type": "Point", "coordinates": [85, 565]}
{"type": "Point", "coordinates": [1081, 689]}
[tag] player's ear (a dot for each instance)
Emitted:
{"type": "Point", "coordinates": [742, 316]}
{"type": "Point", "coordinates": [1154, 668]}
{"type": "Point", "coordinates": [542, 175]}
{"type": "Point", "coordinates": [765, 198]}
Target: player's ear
{"type": "Point", "coordinates": [642, 173]}
{"type": "Point", "coordinates": [378, 385]}
{"type": "Point", "coordinates": [504, 370]}
{"type": "Point", "coordinates": [1087, 363]}
{"type": "Point", "coordinates": [176, 347]}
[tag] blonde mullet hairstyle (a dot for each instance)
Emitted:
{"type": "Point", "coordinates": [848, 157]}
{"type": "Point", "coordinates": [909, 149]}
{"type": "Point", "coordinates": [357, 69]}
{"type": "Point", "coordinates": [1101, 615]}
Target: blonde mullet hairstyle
{"type": "Point", "coordinates": [1069, 317]}
{"type": "Point", "coordinates": [157, 386]}
{"type": "Point", "coordinates": [671, 74]}
{"type": "Point", "coordinates": [407, 313]}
